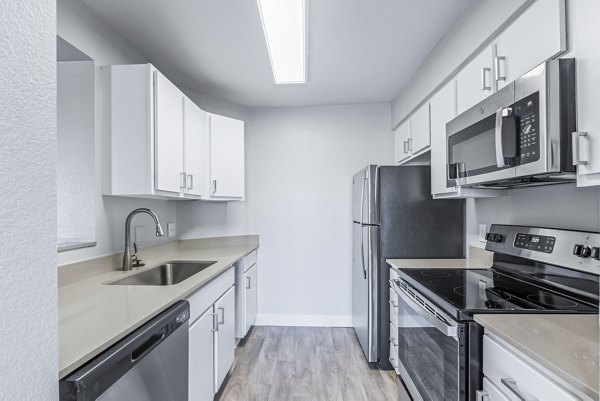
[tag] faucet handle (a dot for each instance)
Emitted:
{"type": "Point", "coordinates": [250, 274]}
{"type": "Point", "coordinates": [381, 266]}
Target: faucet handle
{"type": "Point", "coordinates": [135, 261]}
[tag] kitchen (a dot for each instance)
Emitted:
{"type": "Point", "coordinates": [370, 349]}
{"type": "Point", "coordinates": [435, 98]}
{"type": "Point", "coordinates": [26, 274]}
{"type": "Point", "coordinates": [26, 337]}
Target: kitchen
{"type": "Point", "coordinates": [275, 204]}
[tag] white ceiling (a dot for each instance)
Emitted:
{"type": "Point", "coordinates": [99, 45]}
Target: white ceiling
{"type": "Point", "coordinates": [359, 51]}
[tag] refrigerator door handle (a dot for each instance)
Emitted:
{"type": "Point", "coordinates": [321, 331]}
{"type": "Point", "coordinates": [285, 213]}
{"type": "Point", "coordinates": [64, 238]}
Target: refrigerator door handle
{"type": "Point", "coordinates": [362, 235]}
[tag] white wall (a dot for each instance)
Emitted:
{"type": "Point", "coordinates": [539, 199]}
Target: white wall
{"type": "Point", "coordinates": [556, 206]}
{"type": "Point", "coordinates": [465, 38]}
{"type": "Point", "coordinates": [300, 163]}
{"type": "Point", "coordinates": [28, 334]}
{"type": "Point", "coordinates": [83, 29]}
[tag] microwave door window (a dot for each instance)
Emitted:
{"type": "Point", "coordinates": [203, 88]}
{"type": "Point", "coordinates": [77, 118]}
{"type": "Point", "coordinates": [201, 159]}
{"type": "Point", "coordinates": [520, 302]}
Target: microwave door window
{"type": "Point", "coordinates": [474, 148]}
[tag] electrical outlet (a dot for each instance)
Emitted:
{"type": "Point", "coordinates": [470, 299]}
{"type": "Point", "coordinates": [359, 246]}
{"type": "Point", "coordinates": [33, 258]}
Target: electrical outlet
{"type": "Point", "coordinates": [171, 232]}
{"type": "Point", "coordinates": [140, 235]}
{"type": "Point", "coordinates": [482, 232]}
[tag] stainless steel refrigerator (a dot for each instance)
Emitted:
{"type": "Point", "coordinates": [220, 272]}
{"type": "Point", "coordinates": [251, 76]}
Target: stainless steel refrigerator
{"type": "Point", "coordinates": [395, 217]}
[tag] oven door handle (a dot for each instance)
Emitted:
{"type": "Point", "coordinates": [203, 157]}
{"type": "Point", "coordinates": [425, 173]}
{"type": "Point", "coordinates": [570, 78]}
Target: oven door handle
{"type": "Point", "coordinates": [446, 329]}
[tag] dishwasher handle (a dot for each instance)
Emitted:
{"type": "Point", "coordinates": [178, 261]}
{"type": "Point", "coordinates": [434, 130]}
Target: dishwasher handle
{"type": "Point", "coordinates": [107, 368]}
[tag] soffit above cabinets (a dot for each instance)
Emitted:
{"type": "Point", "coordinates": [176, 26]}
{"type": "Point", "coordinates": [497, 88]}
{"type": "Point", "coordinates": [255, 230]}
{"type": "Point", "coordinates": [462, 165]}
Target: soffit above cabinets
{"type": "Point", "coordinates": [358, 52]}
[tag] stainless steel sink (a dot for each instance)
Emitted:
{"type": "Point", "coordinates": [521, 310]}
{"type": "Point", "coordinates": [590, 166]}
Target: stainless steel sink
{"type": "Point", "coordinates": [166, 274]}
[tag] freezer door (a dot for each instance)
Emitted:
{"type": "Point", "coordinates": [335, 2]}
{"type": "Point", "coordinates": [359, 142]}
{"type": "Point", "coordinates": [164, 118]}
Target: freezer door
{"type": "Point", "coordinates": [364, 196]}
{"type": "Point", "coordinates": [364, 292]}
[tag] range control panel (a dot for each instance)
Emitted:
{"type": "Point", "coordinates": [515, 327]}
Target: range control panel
{"type": "Point", "coordinates": [539, 243]}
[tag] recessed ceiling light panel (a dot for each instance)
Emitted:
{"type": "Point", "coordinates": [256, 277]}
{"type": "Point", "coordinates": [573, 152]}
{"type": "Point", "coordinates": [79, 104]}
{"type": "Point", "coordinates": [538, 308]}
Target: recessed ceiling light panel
{"type": "Point", "coordinates": [284, 24]}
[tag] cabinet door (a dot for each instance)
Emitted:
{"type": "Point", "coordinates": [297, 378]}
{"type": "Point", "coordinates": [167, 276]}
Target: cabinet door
{"type": "Point", "coordinates": [401, 135]}
{"type": "Point", "coordinates": [225, 336]}
{"type": "Point", "coordinates": [527, 43]}
{"type": "Point", "coordinates": [168, 143]}
{"type": "Point", "coordinates": [201, 364]}
{"type": "Point", "coordinates": [442, 109]}
{"type": "Point", "coordinates": [196, 143]}
{"type": "Point", "coordinates": [420, 133]}
{"type": "Point", "coordinates": [226, 157]}
{"type": "Point", "coordinates": [587, 31]}
{"type": "Point", "coordinates": [475, 81]}
{"type": "Point", "coordinates": [251, 294]}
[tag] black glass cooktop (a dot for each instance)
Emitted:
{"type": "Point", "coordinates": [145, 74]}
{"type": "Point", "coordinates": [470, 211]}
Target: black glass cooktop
{"type": "Point", "coordinates": [463, 293]}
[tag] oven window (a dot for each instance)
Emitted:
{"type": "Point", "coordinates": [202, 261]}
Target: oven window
{"type": "Point", "coordinates": [430, 358]}
{"type": "Point", "coordinates": [474, 148]}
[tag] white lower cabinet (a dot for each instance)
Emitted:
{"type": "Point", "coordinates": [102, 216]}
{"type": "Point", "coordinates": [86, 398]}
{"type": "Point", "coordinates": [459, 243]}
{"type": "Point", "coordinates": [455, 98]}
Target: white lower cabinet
{"type": "Point", "coordinates": [246, 294]}
{"type": "Point", "coordinates": [211, 336]}
{"type": "Point", "coordinates": [201, 358]}
{"type": "Point", "coordinates": [514, 376]}
{"type": "Point", "coordinates": [224, 336]}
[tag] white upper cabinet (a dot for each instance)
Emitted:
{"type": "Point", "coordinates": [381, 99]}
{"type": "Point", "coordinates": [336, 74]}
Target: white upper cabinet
{"type": "Point", "coordinates": [536, 36]}
{"type": "Point", "coordinates": [159, 144]}
{"type": "Point", "coordinates": [587, 53]}
{"type": "Point", "coordinates": [475, 81]}
{"type": "Point", "coordinates": [169, 170]}
{"type": "Point", "coordinates": [420, 133]}
{"type": "Point", "coordinates": [226, 157]}
{"type": "Point", "coordinates": [401, 136]}
{"type": "Point", "coordinates": [443, 109]}
{"type": "Point", "coordinates": [197, 150]}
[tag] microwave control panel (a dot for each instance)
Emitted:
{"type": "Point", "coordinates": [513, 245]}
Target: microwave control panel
{"type": "Point", "coordinates": [528, 110]}
{"type": "Point", "coordinates": [540, 243]}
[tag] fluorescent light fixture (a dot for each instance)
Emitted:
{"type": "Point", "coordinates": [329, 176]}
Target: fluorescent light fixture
{"type": "Point", "coordinates": [284, 24]}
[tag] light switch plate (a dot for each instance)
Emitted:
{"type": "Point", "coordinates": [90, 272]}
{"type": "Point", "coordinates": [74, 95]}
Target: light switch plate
{"type": "Point", "coordinates": [171, 230]}
{"type": "Point", "coordinates": [482, 232]}
{"type": "Point", "coordinates": [140, 234]}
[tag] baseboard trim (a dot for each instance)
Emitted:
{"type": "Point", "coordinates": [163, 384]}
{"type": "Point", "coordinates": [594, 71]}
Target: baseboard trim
{"type": "Point", "coordinates": [304, 320]}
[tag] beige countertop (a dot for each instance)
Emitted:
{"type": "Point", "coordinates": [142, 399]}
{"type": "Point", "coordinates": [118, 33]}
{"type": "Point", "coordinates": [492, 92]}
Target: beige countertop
{"type": "Point", "coordinates": [567, 345]}
{"type": "Point", "coordinates": [93, 316]}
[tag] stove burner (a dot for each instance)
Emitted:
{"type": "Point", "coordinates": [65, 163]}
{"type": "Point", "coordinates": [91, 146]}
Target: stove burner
{"type": "Point", "coordinates": [497, 292]}
{"type": "Point", "coordinates": [460, 290]}
{"type": "Point", "coordinates": [460, 273]}
{"type": "Point", "coordinates": [434, 273]}
{"type": "Point", "coordinates": [552, 301]}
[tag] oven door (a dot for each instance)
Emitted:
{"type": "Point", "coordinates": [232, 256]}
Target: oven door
{"type": "Point", "coordinates": [432, 353]}
{"type": "Point", "coordinates": [473, 142]}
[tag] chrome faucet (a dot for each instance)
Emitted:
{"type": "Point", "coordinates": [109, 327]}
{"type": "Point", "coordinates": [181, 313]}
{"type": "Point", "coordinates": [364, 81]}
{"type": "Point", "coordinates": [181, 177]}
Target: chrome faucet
{"type": "Point", "coordinates": [127, 258]}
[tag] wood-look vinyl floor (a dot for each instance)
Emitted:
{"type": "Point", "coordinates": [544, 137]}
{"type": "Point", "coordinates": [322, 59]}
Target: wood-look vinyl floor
{"type": "Point", "coordinates": [306, 364]}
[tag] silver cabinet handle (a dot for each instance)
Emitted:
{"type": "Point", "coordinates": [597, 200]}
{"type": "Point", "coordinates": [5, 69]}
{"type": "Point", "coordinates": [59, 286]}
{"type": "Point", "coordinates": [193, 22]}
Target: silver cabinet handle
{"type": "Point", "coordinates": [484, 85]}
{"type": "Point", "coordinates": [511, 384]}
{"type": "Point", "coordinates": [215, 322]}
{"type": "Point", "coordinates": [482, 395]}
{"type": "Point", "coordinates": [248, 287]}
{"type": "Point", "coordinates": [405, 143]}
{"type": "Point", "coordinates": [394, 304]}
{"type": "Point", "coordinates": [410, 144]}
{"type": "Point", "coordinates": [576, 149]}
{"type": "Point", "coordinates": [222, 310]}
{"type": "Point", "coordinates": [190, 179]}
{"type": "Point", "coordinates": [182, 176]}
{"type": "Point", "coordinates": [214, 186]}
{"type": "Point", "coordinates": [394, 342]}
{"type": "Point", "coordinates": [497, 72]}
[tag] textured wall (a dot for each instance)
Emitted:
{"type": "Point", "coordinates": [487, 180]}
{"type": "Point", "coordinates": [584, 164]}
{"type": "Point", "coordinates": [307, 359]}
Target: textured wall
{"type": "Point", "coordinates": [28, 288]}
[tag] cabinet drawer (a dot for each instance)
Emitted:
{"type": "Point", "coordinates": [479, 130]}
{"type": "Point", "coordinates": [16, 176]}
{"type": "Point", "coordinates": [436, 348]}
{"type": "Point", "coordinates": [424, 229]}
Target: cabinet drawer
{"type": "Point", "coordinates": [394, 357]}
{"type": "Point", "coordinates": [393, 335]}
{"type": "Point", "coordinates": [393, 274]}
{"type": "Point", "coordinates": [394, 310]}
{"type": "Point", "coordinates": [500, 363]}
{"type": "Point", "coordinates": [491, 392]}
{"type": "Point", "coordinates": [202, 299]}
{"type": "Point", "coordinates": [250, 260]}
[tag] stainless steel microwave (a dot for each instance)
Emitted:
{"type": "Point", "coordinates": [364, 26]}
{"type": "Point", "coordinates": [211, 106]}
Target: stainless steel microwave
{"type": "Point", "coordinates": [520, 135]}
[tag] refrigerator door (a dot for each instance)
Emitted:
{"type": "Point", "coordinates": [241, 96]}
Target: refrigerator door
{"type": "Point", "coordinates": [364, 201]}
{"type": "Point", "coordinates": [364, 290]}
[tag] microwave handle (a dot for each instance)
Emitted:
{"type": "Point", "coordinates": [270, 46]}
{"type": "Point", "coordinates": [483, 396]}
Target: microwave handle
{"type": "Point", "coordinates": [506, 137]}
{"type": "Point", "coordinates": [498, 134]}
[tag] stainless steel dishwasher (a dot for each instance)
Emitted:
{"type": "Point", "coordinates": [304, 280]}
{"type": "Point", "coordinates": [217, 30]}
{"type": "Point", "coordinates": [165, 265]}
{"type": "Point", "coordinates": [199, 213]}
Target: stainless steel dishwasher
{"type": "Point", "coordinates": [150, 364]}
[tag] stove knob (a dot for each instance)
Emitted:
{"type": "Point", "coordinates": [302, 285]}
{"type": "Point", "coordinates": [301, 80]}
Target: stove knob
{"type": "Point", "coordinates": [499, 238]}
{"type": "Point", "coordinates": [489, 237]}
{"type": "Point", "coordinates": [596, 253]}
{"type": "Point", "coordinates": [577, 249]}
{"type": "Point", "coordinates": [586, 251]}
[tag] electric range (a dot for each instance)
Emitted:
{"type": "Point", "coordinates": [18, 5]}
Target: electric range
{"type": "Point", "coordinates": [534, 270]}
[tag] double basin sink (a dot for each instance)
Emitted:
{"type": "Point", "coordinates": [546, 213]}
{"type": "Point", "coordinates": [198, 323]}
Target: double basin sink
{"type": "Point", "coordinates": [169, 273]}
